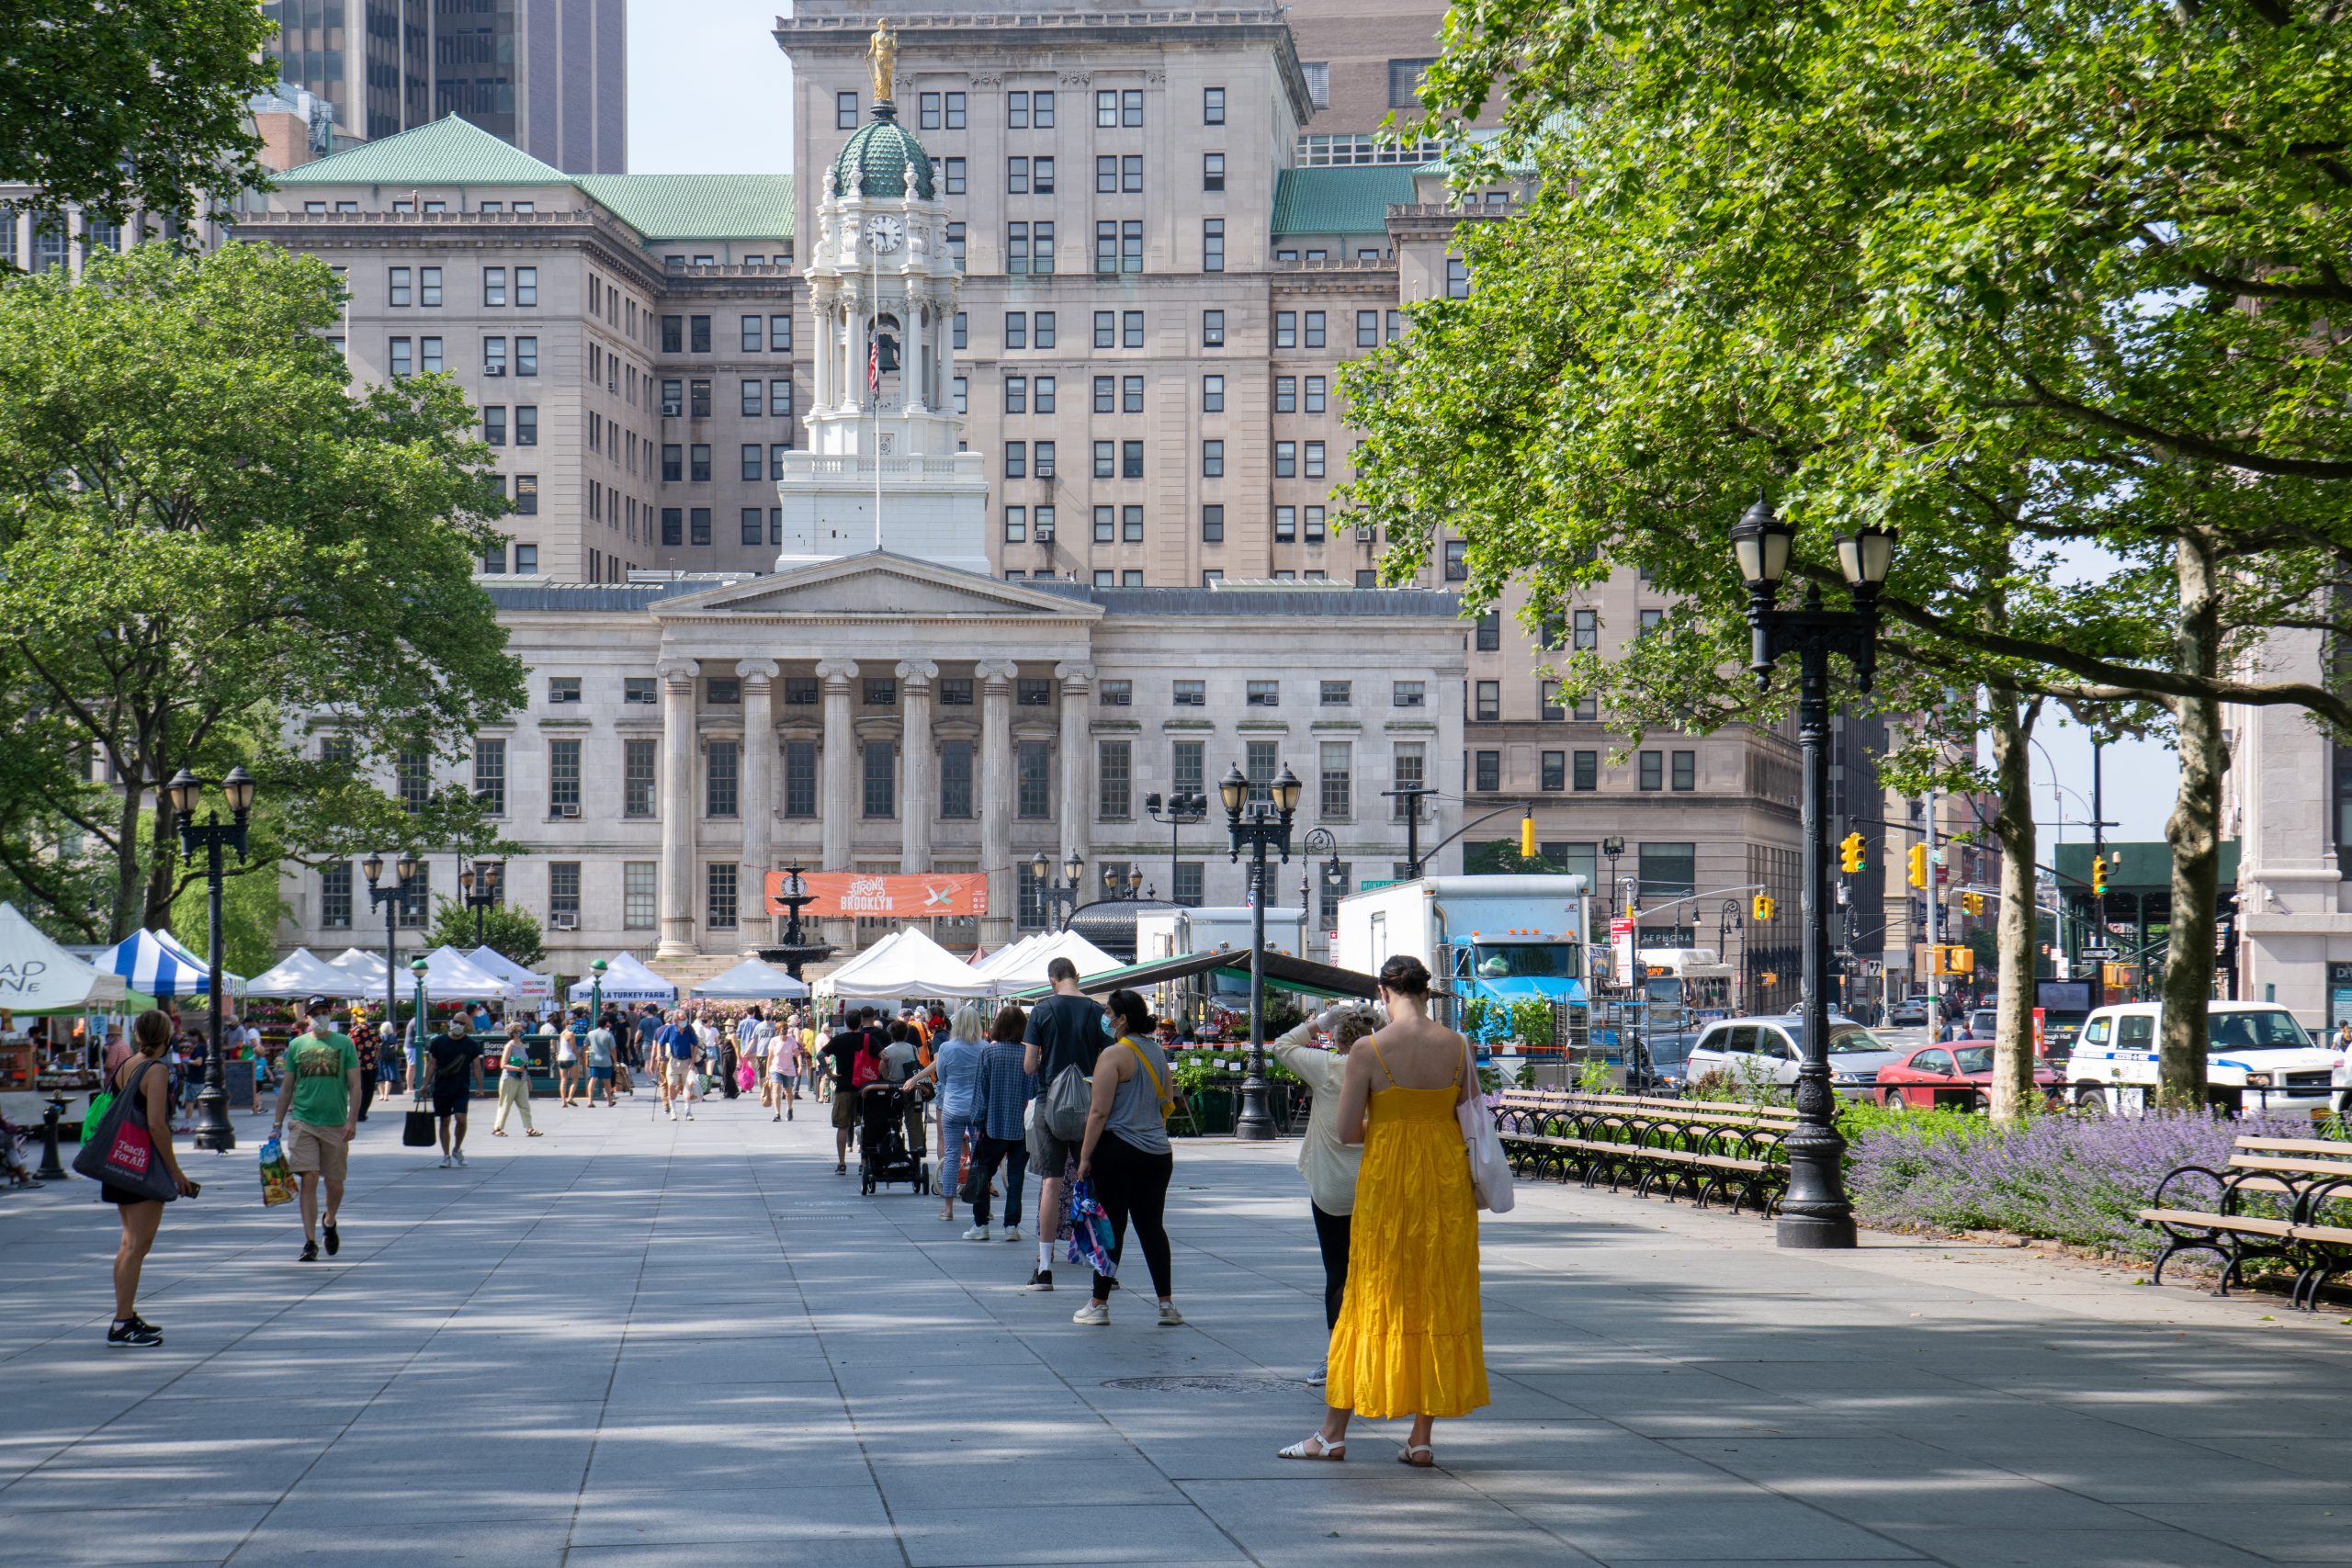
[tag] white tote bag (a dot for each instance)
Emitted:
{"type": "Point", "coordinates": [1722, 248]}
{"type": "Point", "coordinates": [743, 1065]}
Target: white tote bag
{"type": "Point", "coordinates": [1490, 1167]}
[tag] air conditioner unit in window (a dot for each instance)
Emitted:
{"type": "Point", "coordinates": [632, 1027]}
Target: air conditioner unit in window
{"type": "Point", "coordinates": [567, 811]}
{"type": "Point", "coordinates": [493, 370]}
{"type": "Point", "coordinates": [564, 922]}
{"type": "Point", "coordinates": [1044, 536]}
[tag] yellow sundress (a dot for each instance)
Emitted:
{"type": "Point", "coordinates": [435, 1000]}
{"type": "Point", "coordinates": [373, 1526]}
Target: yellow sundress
{"type": "Point", "coordinates": [1408, 1342]}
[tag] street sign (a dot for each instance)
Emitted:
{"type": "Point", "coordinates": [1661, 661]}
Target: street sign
{"type": "Point", "coordinates": [2094, 954]}
{"type": "Point", "coordinates": [1371, 883]}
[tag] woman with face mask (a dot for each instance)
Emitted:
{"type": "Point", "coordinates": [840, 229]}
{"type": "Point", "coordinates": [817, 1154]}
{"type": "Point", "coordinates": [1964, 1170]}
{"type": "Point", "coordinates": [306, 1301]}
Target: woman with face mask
{"type": "Point", "coordinates": [1126, 1155]}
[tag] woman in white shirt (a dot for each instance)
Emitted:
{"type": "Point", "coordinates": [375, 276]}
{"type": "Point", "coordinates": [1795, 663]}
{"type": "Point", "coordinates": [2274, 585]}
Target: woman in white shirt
{"type": "Point", "coordinates": [1329, 1164]}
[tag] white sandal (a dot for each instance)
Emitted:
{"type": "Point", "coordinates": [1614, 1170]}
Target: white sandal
{"type": "Point", "coordinates": [1426, 1461]}
{"type": "Point", "coordinates": [1335, 1452]}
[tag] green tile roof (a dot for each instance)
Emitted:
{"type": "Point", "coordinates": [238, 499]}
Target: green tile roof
{"type": "Point", "coordinates": [1340, 201]}
{"type": "Point", "coordinates": [878, 159]}
{"type": "Point", "coordinates": [697, 206]}
{"type": "Point", "coordinates": [448, 152]}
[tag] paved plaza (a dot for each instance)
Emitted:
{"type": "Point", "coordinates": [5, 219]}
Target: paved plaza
{"type": "Point", "coordinates": [632, 1342]}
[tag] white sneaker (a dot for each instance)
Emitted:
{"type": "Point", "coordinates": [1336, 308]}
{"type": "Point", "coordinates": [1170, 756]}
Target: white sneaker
{"type": "Point", "coordinates": [1093, 1314]}
{"type": "Point", "coordinates": [461, 1157]}
{"type": "Point", "coordinates": [673, 1116]}
{"type": "Point", "coordinates": [979, 1233]}
{"type": "Point", "coordinates": [1169, 1317]}
{"type": "Point", "coordinates": [444, 1162]}
{"type": "Point", "coordinates": [1013, 1233]}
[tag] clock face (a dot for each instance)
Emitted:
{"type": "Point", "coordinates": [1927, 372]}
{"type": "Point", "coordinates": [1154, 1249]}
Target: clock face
{"type": "Point", "coordinates": [885, 235]}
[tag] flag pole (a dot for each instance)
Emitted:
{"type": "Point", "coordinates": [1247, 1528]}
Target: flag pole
{"type": "Point", "coordinates": [873, 353]}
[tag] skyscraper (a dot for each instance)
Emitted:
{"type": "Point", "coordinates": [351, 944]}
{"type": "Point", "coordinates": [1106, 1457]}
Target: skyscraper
{"type": "Point", "coordinates": [550, 76]}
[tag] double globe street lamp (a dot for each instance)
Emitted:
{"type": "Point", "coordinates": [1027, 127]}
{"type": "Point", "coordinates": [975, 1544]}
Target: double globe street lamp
{"type": "Point", "coordinates": [478, 886]}
{"type": "Point", "coordinates": [1816, 1213]}
{"type": "Point", "coordinates": [392, 900]}
{"type": "Point", "coordinates": [1058, 898]}
{"type": "Point", "coordinates": [212, 836]}
{"type": "Point", "coordinates": [1261, 826]}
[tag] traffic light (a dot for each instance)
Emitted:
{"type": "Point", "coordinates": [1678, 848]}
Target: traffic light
{"type": "Point", "coordinates": [1973, 902]}
{"type": "Point", "coordinates": [1850, 855]}
{"type": "Point", "coordinates": [2099, 874]}
{"type": "Point", "coordinates": [1527, 838]}
{"type": "Point", "coordinates": [1762, 908]}
{"type": "Point", "coordinates": [1918, 865]}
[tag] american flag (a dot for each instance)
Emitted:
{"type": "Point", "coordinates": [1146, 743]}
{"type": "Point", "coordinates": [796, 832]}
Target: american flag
{"type": "Point", "coordinates": [874, 363]}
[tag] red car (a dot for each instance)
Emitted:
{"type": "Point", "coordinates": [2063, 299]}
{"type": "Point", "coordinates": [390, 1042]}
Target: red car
{"type": "Point", "coordinates": [1941, 1074]}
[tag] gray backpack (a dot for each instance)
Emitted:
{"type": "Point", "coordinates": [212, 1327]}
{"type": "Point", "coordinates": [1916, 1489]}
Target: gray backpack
{"type": "Point", "coordinates": [1066, 1102]}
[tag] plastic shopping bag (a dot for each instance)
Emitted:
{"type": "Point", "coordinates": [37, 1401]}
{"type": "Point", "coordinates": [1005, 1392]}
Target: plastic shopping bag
{"type": "Point", "coordinates": [1090, 1231]}
{"type": "Point", "coordinates": [277, 1181]}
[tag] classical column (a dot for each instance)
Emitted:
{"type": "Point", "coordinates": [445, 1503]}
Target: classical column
{"type": "Point", "coordinates": [918, 797]}
{"type": "Point", "coordinates": [838, 808]}
{"type": "Point", "coordinates": [678, 809]}
{"type": "Point", "coordinates": [1078, 755]}
{"type": "Point", "coordinates": [756, 804]}
{"type": "Point", "coordinates": [996, 799]}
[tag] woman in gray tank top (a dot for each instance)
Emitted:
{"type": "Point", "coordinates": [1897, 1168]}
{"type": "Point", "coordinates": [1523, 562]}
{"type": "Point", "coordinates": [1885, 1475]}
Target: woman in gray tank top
{"type": "Point", "coordinates": [1126, 1155]}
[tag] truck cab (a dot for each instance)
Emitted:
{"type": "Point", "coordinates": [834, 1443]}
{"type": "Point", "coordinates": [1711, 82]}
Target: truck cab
{"type": "Point", "coordinates": [2258, 1058]}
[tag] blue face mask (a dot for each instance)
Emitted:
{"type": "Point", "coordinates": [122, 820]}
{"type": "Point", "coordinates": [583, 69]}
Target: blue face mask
{"type": "Point", "coordinates": [1109, 1028]}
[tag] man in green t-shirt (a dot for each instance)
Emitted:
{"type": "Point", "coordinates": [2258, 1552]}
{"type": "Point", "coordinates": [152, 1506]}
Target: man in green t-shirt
{"type": "Point", "coordinates": [320, 1085]}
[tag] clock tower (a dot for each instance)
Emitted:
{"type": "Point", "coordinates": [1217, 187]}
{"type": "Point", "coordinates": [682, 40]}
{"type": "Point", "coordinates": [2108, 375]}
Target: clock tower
{"type": "Point", "coordinates": [883, 468]}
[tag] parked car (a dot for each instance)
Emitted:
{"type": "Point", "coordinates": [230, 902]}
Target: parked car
{"type": "Point", "coordinates": [1983, 1023]}
{"type": "Point", "coordinates": [1911, 1012]}
{"type": "Point", "coordinates": [1766, 1048]}
{"type": "Point", "coordinates": [1916, 1078]}
{"type": "Point", "coordinates": [2257, 1058]}
{"type": "Point", "coordinates": [1669, 1055]}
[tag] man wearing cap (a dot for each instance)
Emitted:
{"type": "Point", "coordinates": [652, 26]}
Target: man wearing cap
{"type": "Point", "coordinates": [320, 1086]}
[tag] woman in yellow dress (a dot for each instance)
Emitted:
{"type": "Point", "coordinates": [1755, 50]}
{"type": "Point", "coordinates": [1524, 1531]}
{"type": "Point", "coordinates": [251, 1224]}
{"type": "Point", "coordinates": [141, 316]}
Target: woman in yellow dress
{"type": "Point", "coordinates": [1408, 1342]}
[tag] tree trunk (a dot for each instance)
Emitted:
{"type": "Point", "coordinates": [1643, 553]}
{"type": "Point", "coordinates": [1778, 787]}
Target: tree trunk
{"type": "Point", "coordinates": [2194, 833]}
{"type": "Point", "coordinates": [162, 865]}
{"type": "Point", "coordinates": [2013, 1056]}
{"type": "Point", "coordinates": [130, 896]}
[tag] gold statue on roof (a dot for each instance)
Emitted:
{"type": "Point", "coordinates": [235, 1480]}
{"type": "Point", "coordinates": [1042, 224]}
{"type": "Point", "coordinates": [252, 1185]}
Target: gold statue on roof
{"type": "Point", "coordinates": [882, 54]}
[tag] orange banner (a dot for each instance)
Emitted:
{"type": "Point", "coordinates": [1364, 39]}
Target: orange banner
{"type": "Point", "coordinates": [907, 897]}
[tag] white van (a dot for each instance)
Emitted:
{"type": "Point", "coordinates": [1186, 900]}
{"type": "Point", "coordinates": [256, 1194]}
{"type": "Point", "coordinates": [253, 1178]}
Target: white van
{"type": "Point", "coordinates": [2258, 1059]}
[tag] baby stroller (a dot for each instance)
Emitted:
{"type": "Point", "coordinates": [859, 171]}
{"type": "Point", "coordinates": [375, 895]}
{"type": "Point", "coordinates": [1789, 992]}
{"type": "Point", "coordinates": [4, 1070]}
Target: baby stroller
{"type": "Point", "coordinates": [882, 1156]}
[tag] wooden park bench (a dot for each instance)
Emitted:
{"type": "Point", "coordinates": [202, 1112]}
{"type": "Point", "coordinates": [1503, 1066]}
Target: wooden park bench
{"type": "Point", "coordinates": [1707, 1148]}
{"type": "Point", "coordinates": [2285, 1197]}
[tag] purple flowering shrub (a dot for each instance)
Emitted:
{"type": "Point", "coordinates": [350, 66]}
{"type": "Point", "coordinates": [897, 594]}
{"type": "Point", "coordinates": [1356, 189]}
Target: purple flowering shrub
{"type": "Point", "coordinates": [2080, 1179]}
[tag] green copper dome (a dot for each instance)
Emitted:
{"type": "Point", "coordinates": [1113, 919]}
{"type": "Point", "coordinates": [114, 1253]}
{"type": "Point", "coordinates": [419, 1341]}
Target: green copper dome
{"type": "Point", "coordinates": [883, 154]}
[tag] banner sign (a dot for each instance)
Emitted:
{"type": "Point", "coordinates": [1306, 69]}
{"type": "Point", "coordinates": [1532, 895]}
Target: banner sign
{"type": "Point", "coordinates": [901, 897]}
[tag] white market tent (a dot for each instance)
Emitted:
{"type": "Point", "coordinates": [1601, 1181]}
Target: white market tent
{"type": "Point", "coordinates": [1004, 958]}
{"type": "Point", "coordinates": [750, 981]}
{"type": "Point", "coordinates": [304, 974]}
{"type": "Point", "coordinates": [904, 964]}
{"type": "Point", "coordinates": [364, 968]}
{"type": "Point", "coordinates": [155, 963]}
{"type": "Point", "coordinates": [38, 976]}
{"type": "Point", "coordinates": [529, 986]}
{"type": "Point", "coordinates": [1027, 966]}
{"type": "Point", "coordinates": [450, 976]}
{"type": "Point", "coordinates": [626, 980]}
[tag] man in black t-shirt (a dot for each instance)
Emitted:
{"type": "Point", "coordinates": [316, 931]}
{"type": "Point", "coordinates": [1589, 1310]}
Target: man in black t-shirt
{"type": "Point", "coordinates": [1065, 1031]}
{"type": "Point", "coordinates": [841, 1052]}
{"type": "Point", "coordinates": [453, 1060]}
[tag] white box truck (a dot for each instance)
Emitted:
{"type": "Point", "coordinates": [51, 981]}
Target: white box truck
{"type": "Point", "coordinates": [1505, 938]}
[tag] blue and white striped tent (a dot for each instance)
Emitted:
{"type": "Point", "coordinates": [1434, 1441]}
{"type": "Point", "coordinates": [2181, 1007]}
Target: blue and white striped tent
{"type": "Point", "coordinates": [155, 963]}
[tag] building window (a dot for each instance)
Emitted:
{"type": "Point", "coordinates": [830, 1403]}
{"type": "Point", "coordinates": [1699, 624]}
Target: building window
{"type": "Point", "coordinates": [1339, 792]}
{"type": "Point", "coordinates": [1285, 329]}
{"type": "Point", "coordinates": [1490, 631]}
{"type": "Point", "coordinates": [1651, 770]}
{"type": "Point", "coordinates": [637, 778]}
{"type": "Point", "coordinates": [493, 285]}
{"type": "Point", "coordinates": [1131, 459]}
{"type": "Point", "coordinates": [1212, 171]}
{"type": "Point", "coordinates": [1212, 524]}
{"type": "Point", "coordinates": [396, 286]}
{"type": "Point", "coordinates": [1190, 695]}
{"type": "Point", "coordinates": [1113, 780]}
{"type": "Point", "coordinates": [493, 426]}
{"type": "Point", "coordinates": [1457, 278]}
{"type": "Point", "coordinates": [1585, 630]}
{"type": "Point", "coordinates": [639, 881]}
{"type": "Point", "coordinates": [881, 778]}
{"type": "Point", "coordinates": [1488, 769]}
{"type": "Point", "coordinates": [334, 896]}
{"type": "Point", "coordinates": [1016, 394]}
{"type": "Point", "coordinates": [1667, 871]}
{"type": "Point", "coordinates": [1368, 329]}
{"type": "Point", "coordinates": [1338, 694]}
{"type": "Point", "coordinates": [800, 778]}
{"type": "Point", "coordinates": [1285, 394]}
{"type": "Point", "coordinates": [1213, 105]}
{"type": "Point", "coordinates": [844, 111]}
{"type": "Point", "coordinates": [640, 689]}
{"type": "Point", "coordinates": [1408, 766]}
{"type": "Point", "coordinates": [956, 780]}
{"type": "Point", "coordinates": [1315, 394]}
{"type": "Point", "coordinates": [698, 525]}
{"type": "Point", "coordinates": [1033, 692]}
{"type": "Point", "coordinates": [1286, 459]}
{"type": "Point", "coordinates": [490, 775]}
{"type": "Point", "coordinates": [563, 894]}
{"type": "Point", "coordinates": [1489, 702]}
{"type": "Point", "coordinates": [1016, 523]}
{"type": "Point", "coordinates": [1588, 772]}
{"type": "Point", "coordinates": [1032, 785]}
{"type": "Point", "coordinates": [1115, 694]}
{"type": "Point", "coordinates": [721, 904]}
{"type": "Point", "coordinates": [563, 778]}
{"type": "Point", "coordinates": [1263, 694]}
{"type": "Point", "coordinates": [1457, 561]}
{"type": "Point", "coordinates": [1257, 764]}
{"type": "Point", "coordinates": [1548, 701]}
{"type": "Point", "coordinates": [673, 525]}
{"type": "Point", "coordinates": [1188, 890]}
{"type": "Point", "coordinates": [526, 424]}
{"type": "Point", "coordinates": [722, 777]}
{"type": "Point", "coordinates": [1686, 770]}
{"type": "Point", "coordinates": [1408, 693]}
{"type": "Point", "coordinates": [1556, 772]}
{"type": "Point", "coordinates": [401, 360]}
{"type": "Point", "coordinates": [526, 281]}
{"type": "Point", "coordinates": [1212, 260]}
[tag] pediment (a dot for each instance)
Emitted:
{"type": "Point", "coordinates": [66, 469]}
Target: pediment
{"type": "Point", "coordinates": [876, 583]}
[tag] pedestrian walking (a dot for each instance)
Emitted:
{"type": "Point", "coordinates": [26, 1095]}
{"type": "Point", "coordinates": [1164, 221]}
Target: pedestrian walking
{"type": "Point", "coordinates": [317, 1107]}
{"type": "Point", "coordinates": [954, 1068]}
{"type": "Point", "coordinates": [143, 1081]}
{"type": "Point", "coordinates": [364, 1041]}
{"type": "Point", "coordinates": [567, 1060]}
{"type": "Point", "coordinates": [787, 1059]}
{"type": "Point", "coordinates": [840, 1055]}
{"type": "Point", "coordinates": [1065, 1034]}
{"type": "Point", "coordinates": [1127, 1156]}
{"type": "Point", "coordinates": [676, 1045]}
{"type": "Point", "coordinates": [455, 1057]}
{"type": "Point", "coordinates": [1409, 1341]}
{"type": "Point", "coordinates": [1001, 1091]}
{"type": "Point", "coordinates": [598, 1053]}
{"type": "Point", "coordinates": [514, 1082]}
{"type": "Point", "coordinates": [1329, 1165]}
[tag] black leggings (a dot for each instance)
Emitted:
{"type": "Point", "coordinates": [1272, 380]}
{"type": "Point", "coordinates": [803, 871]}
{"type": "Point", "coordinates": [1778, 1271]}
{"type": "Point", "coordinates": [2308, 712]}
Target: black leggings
{"type": "Point", "coordinates": [1014, 1154]}
{"type": "Point", "coordinates": [1133, 1185]}
{"type": "Point", "coordinates": [1331, 1236]}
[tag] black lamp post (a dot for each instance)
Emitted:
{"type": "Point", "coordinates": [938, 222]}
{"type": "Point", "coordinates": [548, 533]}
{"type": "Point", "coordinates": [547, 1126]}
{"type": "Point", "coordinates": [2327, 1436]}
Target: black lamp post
{"type": "Point", "coordinates": [478, 886]}
{"type": "Point", "coordinates": [1178, 810]}
{"type": "Point", "coordinates": [597, 994]}
{"type": "Point", "coordinates": [389, 900]}
{"type": "Point", "coordinates": [1262, 825]}
{"type": "Point", "coordinates": [212, 1129]}
{"type": "Point", "coordinates": [1329, 875]}
{"type": "Point", "coordinates": [1728, 924]}
{"type": "Point", "coordinates": [1815, 1212]}
{"type": "Point", "coordinates": [1611, 848]}
{"type": "Point", "coordinates": [418, 967]}
{"type": "Point", "coordinates": [1116, 885]}
{"type": "Point", "coordinates": [1059, 898]}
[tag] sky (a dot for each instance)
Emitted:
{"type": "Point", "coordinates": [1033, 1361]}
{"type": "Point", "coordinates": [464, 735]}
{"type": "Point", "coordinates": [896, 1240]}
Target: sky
{"type": "Point", "coordinates": [711, 93]}
{"type": "Point", "coordinates": [708, 91]}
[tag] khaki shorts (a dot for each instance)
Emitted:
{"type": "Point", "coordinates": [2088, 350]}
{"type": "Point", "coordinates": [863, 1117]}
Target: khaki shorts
{"type": "Point", "coordinates": [677, 1073]}
{"type": "Point", "coordinates": [845, 1109]}
{"type": "Point", "coordinates": [323, 1150]}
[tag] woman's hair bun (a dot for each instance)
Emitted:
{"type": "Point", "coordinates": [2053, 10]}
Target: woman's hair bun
{"type": "Point", "coordinates": [1406, 976]}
